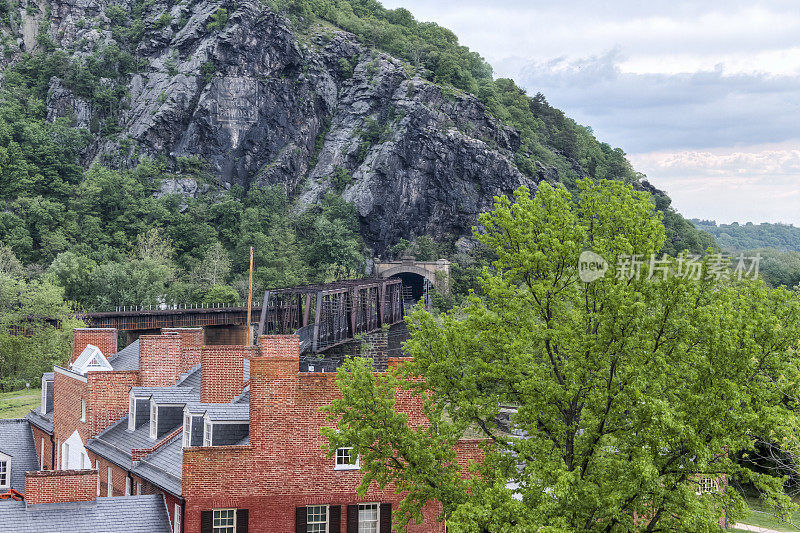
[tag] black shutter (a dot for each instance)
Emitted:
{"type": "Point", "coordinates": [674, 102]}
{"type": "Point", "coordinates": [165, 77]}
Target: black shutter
{"type": "Point", "coordinates": [300, 520]}
{"type": "Point", "coordinates": [206, 521]}
{"type": "Point", "coordinates": [334, 519]}
{"type": "Point", "coordinates": [241, 520]}
{"type": "Point", "coordinates": [352, 519]}
{"type": "Point", "coordinates": [386, 518]}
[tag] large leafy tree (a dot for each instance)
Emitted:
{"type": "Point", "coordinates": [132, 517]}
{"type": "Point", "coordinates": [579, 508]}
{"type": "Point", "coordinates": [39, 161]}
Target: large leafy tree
{"type": "Point", "coordinates": [626, 391]}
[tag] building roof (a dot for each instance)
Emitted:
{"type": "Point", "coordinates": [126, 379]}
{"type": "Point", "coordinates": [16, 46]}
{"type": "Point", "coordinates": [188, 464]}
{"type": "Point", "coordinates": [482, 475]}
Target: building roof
{"type": "Point", "coordinates": [16, 440]}
{"type": "Point", "coordinates": [91, 358]}
{"type": "Point", "coordinates": [127, 358]}
{"type": "Point", "coordinates": [43, 422]}
{"type": "Point", "coordinates": [132, 514]}
{"type": "Point", "coordinates": [164, 467]}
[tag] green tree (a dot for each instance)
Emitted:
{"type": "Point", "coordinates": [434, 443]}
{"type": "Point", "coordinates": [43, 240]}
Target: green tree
{"type": "Point", "coordinates": [29, 343]}
{"type": "Point", "coordinates": [626, 391]}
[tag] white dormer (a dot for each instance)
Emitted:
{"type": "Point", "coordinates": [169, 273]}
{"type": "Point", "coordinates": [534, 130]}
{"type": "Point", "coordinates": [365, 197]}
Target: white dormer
{"type": "Point", "coordinates": [90, 359]}
{"type": "Point", "coordinates": [5, 471]}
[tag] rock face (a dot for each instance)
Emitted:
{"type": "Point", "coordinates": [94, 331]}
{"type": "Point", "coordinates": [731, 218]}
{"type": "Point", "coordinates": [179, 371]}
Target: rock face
{"type": "Point", "coordinates": [314, 112]}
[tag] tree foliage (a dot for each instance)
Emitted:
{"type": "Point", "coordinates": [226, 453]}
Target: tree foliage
{"type": "Point", "coordinates": [626, 391]}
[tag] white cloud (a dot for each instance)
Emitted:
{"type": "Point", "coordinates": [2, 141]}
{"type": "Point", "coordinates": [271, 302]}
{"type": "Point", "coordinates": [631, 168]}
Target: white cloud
{"type": "Point", "coordinates": [757, 183]}
{"type": "Point", "coordinates": [705, 94]}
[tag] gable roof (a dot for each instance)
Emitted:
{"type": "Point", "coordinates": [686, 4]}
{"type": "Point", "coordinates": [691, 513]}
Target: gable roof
{"type": "Point", "coordinates": [132, 514]}
{"type": "Point", "coordinates": [127, 358]}
{"type": "Point", "coordinates": [16, 441]}
{"type": "Point", "coordinates": [91, 358]}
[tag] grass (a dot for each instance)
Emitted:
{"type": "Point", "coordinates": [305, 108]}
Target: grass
{"type": "Point", "coordinates": [17, 404]}
{"type": "Point", "coordinates": [762, 517]}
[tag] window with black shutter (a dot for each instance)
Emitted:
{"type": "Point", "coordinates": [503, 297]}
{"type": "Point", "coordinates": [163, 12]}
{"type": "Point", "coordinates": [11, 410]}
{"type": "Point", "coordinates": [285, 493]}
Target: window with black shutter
{"type": "Point", "coordinates": [352, 518]}
{"type": "Point", "coordinates": [386, 517]}
{"type": "Point", "coordinates": [206, 521]}
{"type": "Point", "coordinates": [242, 520]}
{"type": "Point", "coordinates": [335, 519]}
{"type": "Point", "coordinates": [300, 520]}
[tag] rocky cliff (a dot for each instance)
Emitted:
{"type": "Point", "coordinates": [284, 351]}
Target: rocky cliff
{"type": "Point", "coordinates": [313, 111]}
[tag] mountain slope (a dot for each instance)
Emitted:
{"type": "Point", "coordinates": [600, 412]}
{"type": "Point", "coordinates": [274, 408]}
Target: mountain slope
{"type": "Point", "coordinates": [222, 95]}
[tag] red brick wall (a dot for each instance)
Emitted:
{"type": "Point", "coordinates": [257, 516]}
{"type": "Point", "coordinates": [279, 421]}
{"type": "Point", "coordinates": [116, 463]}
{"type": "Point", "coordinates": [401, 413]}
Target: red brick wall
{"type": "Point", "coordinates": [118, 476]}
{"type": "Point", "coordinates": [69, 391]}
{"type": "Point", "coordinates": [103, 338]}
{"type": "Point", "coordinates": [160, 362]}
{"type": "Point", "coordinates": [107, 398]}
{"type": "Point", "coordinates": [222, 375]}
{"type": "Point", "coordinates": [50, 486]}
{"type": "Point", "coordinates": [191, 341]}
{"type": "Point", "coordinates": [38, 435]}
{"type": "Point", "coordinates": [284, 466]}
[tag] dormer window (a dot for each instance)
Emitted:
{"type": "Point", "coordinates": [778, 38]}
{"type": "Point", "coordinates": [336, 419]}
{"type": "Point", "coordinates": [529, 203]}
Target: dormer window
{"type": "Point", "coordinates": [153, 420]}
{"type": "Point", "coordinates": [5, 471]}
{"type": "Point", "coordinates": [131, 412]}
{"type": "Point", "coordinates": [43, 409]}
{"type": "Point", "coordinates": [207, 429]}
{"type": "Point", "coordinates": [187, 429]}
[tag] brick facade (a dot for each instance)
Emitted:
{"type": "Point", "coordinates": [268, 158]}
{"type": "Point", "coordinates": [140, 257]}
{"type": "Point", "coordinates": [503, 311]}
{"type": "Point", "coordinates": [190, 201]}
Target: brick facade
{"type": "Point", "coordinates": [52, 486]}
{"type": "Point", "coordinates": [70, 391]}
{"type": "Point", "coordinates": [160, 361]}
{"type": "Point", "coordinates": [223, 370]}
{"type": "Point", "coordinates": [192, 339]}
{"type": "Point", "coordinates": [41, 438]}
{"type": "Point", "coordinates": [103, 338]}
{"type": "Point", "coordinates": [107, 398]}
{"type": "Point", "coordinates": [283, 466]}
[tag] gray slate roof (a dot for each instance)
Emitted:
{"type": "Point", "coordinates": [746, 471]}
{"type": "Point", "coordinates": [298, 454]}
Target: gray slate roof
{"type": "Point", "coordinates": [131, 514]}
{"type": "Point", "coordinates": [127, 358]}
{"type": "Point", "coordinates": [43, 422]}
{"type": "Point", "coordinates": [164, 467]}
{"type": "Point", "coordinates": [16, 440]}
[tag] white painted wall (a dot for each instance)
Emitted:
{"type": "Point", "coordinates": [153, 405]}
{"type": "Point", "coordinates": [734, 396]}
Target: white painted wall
{"type": "Point", "coordinates": [76, 450]}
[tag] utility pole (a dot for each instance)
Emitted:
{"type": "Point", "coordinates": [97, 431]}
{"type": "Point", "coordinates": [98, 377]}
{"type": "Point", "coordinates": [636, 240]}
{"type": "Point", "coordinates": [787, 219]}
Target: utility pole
{"type": "Point", "coordinates": [248, 332]}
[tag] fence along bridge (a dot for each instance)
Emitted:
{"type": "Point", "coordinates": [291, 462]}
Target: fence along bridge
{"type": "Point", "coordinates": [324, 316]}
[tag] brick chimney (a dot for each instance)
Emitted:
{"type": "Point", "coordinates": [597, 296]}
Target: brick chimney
{"type": "Point", "coordinates": [273, 384]}
{"type": "Point", "coordinates": [160, 361]}
{"type": "Point", "coordinates": [103, 338]}
{"type": "Point", "coordinates": [221, 378]}
{"type": "Point", "coordinates": [191, 341]}
{"type": "Point", "coordinates": [57, 486]}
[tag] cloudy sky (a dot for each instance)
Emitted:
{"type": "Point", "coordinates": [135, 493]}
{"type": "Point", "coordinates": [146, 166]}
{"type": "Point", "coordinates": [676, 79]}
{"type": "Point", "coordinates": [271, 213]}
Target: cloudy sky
{"type": "Point", "coordinates": [703, 96]}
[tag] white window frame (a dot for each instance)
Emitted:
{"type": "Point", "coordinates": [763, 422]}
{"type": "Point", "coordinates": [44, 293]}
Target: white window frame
{"type": "Point", "coordinates": [153, 420]}
{"type": "Point", "coordinates": [97, 467]}
{"type": "Point", "coordinates": [187, 429]}
{"type": "Point", "coordinates": [338, 464]}
{"type": "Point", "coordinates": [5, 460]}
{"type": "Point", "coordinates": [131, 412]}
{"type": "Point", "coordinates": [706, 485]}
{"type": "Point", "coordinates": [41, 454]}
{"type": "Point", "coordinates": [138, 488]}
{"type": "Point", "coordinates": [128, 487]}
{"type": "Point", "coordinates": [58, 454]}
{"type": "Point", "coordinates": [176, 522]}
{"type": "Point", "coordinates": [110, 479]}
{"type": "Point", "coordinates": [83, 461]}
{"type": "Point", "coordinates": [65, 458]}
{"type": "Point", "coordinates": [83, 410]}
{"type": "Point", "coordinates": [218, 529]}
{"type": "Point", "coordinates": [361, 521]}
{"type": "Point", "coordinates": [319, 523]}
{"type": "Point", "coordinates": [208, 432]}
{"type": "Point", "coordinates": [43, 409]}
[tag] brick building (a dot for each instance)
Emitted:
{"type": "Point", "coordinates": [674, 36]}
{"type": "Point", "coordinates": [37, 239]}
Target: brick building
{"type": "Point", "coordinates": [227, 436]}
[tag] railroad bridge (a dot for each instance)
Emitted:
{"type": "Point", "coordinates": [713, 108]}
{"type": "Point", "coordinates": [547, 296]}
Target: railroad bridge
{"type": "Point", "coordinates": [324, 315]}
